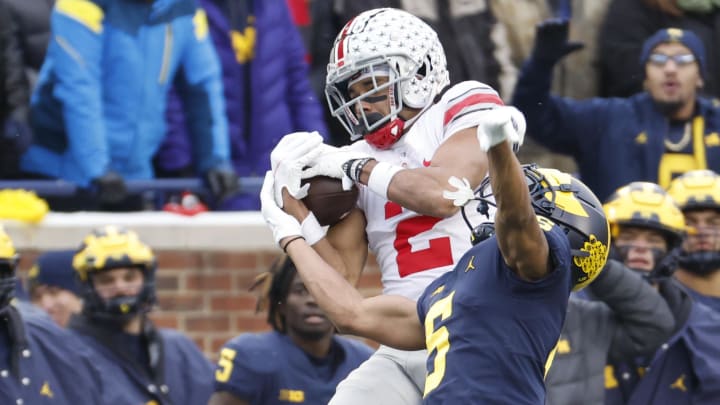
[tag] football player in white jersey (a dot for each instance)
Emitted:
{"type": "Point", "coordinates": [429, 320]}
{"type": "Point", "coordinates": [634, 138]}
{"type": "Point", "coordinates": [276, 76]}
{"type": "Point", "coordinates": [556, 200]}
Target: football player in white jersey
{"type": "Point", "coordinates": [388, 84]}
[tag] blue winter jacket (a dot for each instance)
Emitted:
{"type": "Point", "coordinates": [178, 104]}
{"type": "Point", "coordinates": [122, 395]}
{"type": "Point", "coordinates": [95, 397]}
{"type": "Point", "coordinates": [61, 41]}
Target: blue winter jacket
{"type": "Point", "coordinates": [179, 374]}
{"type": "Point", "coordinates": [281, 97]}
{"type": "Point", "coordinates": [614, 141]}
{"type": "Point", "coordinates": [43, 364]}
{"type": "Point", "coordinates": [686, 369]}
{"type": "Point", "coordinates": [100, 99]}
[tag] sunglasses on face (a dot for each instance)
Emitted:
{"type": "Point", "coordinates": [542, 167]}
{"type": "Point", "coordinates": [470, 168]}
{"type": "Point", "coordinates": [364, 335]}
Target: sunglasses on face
{"type": "Point", "coordinates": [660, 59]}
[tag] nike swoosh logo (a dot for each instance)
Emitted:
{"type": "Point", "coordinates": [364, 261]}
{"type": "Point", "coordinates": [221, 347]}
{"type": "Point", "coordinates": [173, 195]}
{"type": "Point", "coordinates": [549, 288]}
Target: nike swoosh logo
{"type": "Point", "coordinates": [426, 163]}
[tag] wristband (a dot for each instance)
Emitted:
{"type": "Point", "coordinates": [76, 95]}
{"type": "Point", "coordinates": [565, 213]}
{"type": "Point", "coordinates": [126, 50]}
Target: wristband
{"type": "Point", "coordinates": [381, 176]}
{"type": "Point", "coordinates": [353, 168]}
{"type": "Point", "coordinates": [311, 230]}
{"type": "Point", "coordinates": [284, 248]}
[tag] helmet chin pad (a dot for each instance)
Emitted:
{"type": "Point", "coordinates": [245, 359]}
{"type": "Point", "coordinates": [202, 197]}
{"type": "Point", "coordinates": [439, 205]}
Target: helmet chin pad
{"type": "Point", "coordinates": [385, 136]}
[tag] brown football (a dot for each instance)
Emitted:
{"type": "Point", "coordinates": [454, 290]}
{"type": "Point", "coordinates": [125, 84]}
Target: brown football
{"type": "Point", "coordinates": [327, 199]}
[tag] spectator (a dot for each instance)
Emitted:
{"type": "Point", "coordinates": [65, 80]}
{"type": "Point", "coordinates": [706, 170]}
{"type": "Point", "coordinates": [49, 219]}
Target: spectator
{"type": "Point", "coordinates": [629, 22]}
{"type": "Point", "coordinates": [576, 76]}
{"type": "Point", "coordinates": [698, 194]}
{"type": "Point", "coordinates": [97, 111]}
{"type": "Point", "coordinates": [15, 133]}
{"type": "Point", "coordinates": [140, 364]}
{"type": "Point", "coordinates": [53, 287]}
{"type": "Point", "coordinates": [651, 136]}
{"type": "Point", "coordinates": [300, 360]}
{"type": "Point", "coordinates": [32, 19]}
{"type": "Point", "coordinates": [629, 318]}
{"type": "Point", "coordinates": [686, 368]}
{"type": "Point", "coordinates": [40, 363]}
{"type": "Point", "coordinates": [267, 90]}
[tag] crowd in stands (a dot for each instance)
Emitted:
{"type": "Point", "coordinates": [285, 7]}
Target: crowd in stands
{"type": "Point", "coordinates": [98, 94]}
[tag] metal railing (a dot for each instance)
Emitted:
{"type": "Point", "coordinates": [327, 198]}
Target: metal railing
{"type": "Point", "coordinates": [154, 193]}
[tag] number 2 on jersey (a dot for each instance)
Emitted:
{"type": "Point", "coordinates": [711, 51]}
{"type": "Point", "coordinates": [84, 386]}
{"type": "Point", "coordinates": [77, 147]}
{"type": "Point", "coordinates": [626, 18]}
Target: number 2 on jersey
{"type": "Point", "coordinates": [438, 254]}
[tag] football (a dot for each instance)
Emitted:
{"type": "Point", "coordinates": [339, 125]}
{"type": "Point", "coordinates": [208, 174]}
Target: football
{"type": "Point", "coordinates": [327, 199]}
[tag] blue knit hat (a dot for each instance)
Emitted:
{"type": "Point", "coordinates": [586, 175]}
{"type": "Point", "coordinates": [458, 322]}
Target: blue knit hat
{"type": "Point", "coordinates": [54, 268]}
{"type": "Point", "coordinates": [685, 37]}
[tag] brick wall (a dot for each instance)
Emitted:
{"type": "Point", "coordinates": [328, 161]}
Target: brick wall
{"type": "Point", "coordinates": [205, 265]}
{"type": "Point", "coordinates": [205, 294]}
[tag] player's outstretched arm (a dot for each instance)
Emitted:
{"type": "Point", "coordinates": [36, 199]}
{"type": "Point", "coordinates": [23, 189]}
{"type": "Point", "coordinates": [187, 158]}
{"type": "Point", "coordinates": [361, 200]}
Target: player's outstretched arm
{"type": "Point", "coordinates": [387, 319]}
{"type": "Point", "coordinates": [522, 242]}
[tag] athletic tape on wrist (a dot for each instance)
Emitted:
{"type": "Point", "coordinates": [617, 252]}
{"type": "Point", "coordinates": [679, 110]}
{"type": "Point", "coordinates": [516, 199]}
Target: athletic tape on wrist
{"type": "Point", "coordinates": [312, 230]}
{"type": "Point", "coordinates": [380, 178]}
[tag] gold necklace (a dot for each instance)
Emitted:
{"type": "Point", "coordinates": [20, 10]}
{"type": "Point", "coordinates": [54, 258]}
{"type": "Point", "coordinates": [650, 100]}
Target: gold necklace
{"type": "Point", "coordinates": [682, 143]}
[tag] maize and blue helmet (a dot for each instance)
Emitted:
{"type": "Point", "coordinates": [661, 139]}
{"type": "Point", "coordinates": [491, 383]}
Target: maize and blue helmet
{"type": "Point", "coordinates": [693, 191]}
{"type": "Point", "coordinates": [110, 248]}
{"type": "Point", "coordinates": [647, 205]}
{"type": "Point", "coordinates": [562, 200]}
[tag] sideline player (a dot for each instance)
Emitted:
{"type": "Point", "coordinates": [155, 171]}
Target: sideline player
{"type": "Point", "coordinates": [141, 364]}
{"type": "Point", "coordinates": [40, 363]}
{"type": "Point", "coordinates": [388, 84]}
{"type": "Point", "coordinates": [300, 360]}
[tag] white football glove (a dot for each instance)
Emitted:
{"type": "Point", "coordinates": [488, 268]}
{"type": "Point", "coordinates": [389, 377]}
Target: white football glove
{"type": "Point", "coordinates": [281, 223]}
{"type": "Point", "coordinates": [330, 163]}
{"type": "Point", "coordinates": [462, 194]}
{"type": "Point", "coordinates": [294, 146]}
{"type": "Point", "coordinates": [288, 170]}
{"type": "Point", "coordinates": [499, 125]}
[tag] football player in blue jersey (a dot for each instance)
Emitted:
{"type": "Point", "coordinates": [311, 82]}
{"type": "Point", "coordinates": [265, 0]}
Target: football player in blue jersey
{"type": "Point", "coordinates": [40, 363]}
{"type": "Point", "coordinates": [697, 192]}
{"type": "Point", "coordinates": [491, 325]}
{"type": "Point", "coordinates": [140, 363]}
{"type": "Point", "coordinates": [300, 361]}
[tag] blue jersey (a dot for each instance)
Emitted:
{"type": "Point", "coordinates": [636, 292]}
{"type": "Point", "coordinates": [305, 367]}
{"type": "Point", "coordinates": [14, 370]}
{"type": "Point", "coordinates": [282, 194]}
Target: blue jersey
{"type": "Point", "coordinates": [269, 369]}
{"type": "Point", "coordinates": [40, 363]}
{"type": "Point", "coordinates": [686, 369]}
{"type": "Point", "coordinates": [180, 373]}
{"type": "Point", "coordinates": [710, 302]}
{"type": "Point", "coordinates": [490, 334]}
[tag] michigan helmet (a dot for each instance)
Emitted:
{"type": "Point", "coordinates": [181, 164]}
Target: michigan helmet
{"type": "Point", "coordinates": [697, 190]}
{"type": "Point", "coordinates": [108, 248]}
{"type": "Point", "coordinates": [562, 200]}
{"type": "Point", "coordinates": [8, 263]}
{"type": "Point", "coordinates": [384, 42]}
{"type": "Point", "coordinates": [647, 205]}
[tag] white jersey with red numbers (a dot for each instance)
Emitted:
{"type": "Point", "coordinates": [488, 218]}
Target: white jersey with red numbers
{"type": "Point", "coordinates": [413, 249]}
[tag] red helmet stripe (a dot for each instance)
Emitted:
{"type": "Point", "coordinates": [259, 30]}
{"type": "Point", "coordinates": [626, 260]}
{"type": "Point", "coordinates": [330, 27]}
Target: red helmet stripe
{"type": "Point", "coordinates": [341, 44]}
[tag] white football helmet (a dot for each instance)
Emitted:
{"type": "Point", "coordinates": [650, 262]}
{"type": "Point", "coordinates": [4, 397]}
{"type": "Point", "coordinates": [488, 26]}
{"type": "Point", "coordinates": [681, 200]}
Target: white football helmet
{"type": "Point", "coordinates": [384, 42]}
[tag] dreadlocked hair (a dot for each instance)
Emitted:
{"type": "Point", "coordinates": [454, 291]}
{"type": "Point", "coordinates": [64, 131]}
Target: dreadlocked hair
{"type": "Point", "coordinates": [274, 286]}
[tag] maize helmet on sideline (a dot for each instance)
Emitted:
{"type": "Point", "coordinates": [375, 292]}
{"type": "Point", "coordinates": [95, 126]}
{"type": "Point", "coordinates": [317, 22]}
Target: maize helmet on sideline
{"type": "Point", "coordinates": [647, 205]}
{"type": "Point", "coordinates": [698, 190]}
{"type": "Point", "coordinates": [8, 264]}
{"type": "Point", "coordinates": [109, 248]}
